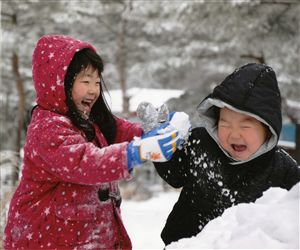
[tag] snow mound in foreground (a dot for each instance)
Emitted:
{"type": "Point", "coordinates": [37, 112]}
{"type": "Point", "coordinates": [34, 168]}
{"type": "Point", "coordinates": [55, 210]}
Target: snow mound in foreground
{"type": "Point", "coordinates": [271, 222]}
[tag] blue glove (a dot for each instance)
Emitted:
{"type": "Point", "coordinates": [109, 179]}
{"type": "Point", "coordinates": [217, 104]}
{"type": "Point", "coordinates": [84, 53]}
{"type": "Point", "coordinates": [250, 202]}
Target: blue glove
{"type": "Point", "coordinates": [158, 148]}
{"type": "Point", "coordinates": [170, 116]}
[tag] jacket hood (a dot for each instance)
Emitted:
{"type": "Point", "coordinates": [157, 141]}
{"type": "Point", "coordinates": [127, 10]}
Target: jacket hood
{"type": "Point", "coordinates": [252, 90]}
{"type": "Point", "coordinates": [50, 60]}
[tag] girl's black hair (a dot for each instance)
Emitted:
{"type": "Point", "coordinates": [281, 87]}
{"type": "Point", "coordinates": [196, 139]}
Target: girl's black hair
{"type": "Point", "coordinates": [100, 113]}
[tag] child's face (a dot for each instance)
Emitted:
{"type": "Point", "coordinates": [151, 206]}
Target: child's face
{"type": "Point", "coordinates": [86, 90]}
{"type": "Point", "coordinates": [239, 134]}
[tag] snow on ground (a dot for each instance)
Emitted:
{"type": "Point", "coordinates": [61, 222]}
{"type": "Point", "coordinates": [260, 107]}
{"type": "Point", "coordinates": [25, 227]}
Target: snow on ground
{"type": "Point", "coordinates": [145, 219]}
{"type": "Point", "coordinates": [272, 222]}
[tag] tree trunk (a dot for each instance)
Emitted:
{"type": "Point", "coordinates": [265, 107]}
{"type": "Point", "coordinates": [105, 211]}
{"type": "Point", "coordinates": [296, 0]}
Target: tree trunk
{"type": "Point", "coordinates": [122, 65]}
{"type": "Point", "coordinates": [297, 140]}
{"type": "Point", "coordinates": [20, 114]}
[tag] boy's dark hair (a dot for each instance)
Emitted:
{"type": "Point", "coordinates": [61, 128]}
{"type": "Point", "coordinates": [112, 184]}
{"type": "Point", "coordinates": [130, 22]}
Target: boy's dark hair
{"type": "Point", "coordinates": [100, 113]}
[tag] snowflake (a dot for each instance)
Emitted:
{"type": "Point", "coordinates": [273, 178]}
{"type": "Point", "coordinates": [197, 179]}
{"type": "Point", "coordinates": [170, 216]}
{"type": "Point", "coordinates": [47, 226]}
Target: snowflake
{"type": "Point", "coordinates": [225, 191]}
{"type": "Point", "coordinates": [112, 158]}
{"type": "Point", "coordinates": [29, 236]}
{"type": "Point", "coordinates": [51, 55]}
{"type": "Point", "coordinates": [58, 81]}
{"type": "Point", "coordinates": [66, 169]}
{"type": "Point", "coordinates": [47, 211]}
{"type": "Point", "coordinates": [84, 158]}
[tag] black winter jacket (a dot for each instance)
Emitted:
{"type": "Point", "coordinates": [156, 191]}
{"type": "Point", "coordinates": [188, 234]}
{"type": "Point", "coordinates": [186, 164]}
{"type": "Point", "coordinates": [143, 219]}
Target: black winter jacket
{"type": "Point", "coordinates": [211, 180]}
{"type": "Point", "coordinates": [211, 184]}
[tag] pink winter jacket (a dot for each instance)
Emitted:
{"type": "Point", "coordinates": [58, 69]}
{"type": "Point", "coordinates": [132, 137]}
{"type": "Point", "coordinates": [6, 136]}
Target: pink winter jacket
{"type": "Point", "coordinates": [56, 205]}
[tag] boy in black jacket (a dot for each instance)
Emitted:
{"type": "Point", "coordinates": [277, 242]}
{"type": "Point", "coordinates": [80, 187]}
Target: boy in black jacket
{"type": "Point", "coordinates": [234, 157]}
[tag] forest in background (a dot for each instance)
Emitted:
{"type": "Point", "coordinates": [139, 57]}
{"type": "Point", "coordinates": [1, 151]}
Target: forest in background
{"type": "Point", "coordinates": [169, 44]}
{"type": "Point", "coordinates": [189, 45]}
{"type": "Point", "coordinates": [185, 44]}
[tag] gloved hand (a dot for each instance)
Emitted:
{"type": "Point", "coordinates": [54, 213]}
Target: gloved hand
{"type": "Point", "coordinates": [170, 115]}
{"type": "Point", "coordinates": [151, 117]}
{"type": "Point", "coordinates": [156, 131]}
{"type": "Point", "coordinates": [180, 122]}
{"type": "Point", "coordinates": [177, 121]}
{"type": "Point", "coordinates": [158, 148]}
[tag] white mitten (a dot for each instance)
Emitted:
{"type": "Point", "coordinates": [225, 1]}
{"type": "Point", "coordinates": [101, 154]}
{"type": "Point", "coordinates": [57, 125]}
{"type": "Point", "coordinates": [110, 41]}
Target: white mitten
{"type": "Point", "coordinates": [179, 121]}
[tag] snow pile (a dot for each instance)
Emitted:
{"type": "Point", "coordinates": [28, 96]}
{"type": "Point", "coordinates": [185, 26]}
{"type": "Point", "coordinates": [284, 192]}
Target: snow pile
{"type": "Point", "coordinates": [271, 222]}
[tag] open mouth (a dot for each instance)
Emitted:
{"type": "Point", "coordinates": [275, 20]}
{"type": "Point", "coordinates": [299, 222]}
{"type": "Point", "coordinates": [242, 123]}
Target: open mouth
{"type": "Point", "coordinates": [86, 104]}
{"type": "Point", "coordinates": [238, 147]}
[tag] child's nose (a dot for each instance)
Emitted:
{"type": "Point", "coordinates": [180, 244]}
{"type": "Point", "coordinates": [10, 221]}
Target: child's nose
{"type": "Point", "coordinates": [235, 134]}
{"type": "Point", "coordinates": [93, 88]}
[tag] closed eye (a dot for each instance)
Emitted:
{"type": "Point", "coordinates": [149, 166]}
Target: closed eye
{"type": "Point", "coordinates": [223, 124]}
{"type": "Point", "coordinates": [246, 126]}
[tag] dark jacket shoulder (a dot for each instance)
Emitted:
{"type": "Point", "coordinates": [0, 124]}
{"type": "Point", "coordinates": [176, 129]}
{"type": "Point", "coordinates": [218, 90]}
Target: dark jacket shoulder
{"type": "Point", "coordinates": [286, 169]}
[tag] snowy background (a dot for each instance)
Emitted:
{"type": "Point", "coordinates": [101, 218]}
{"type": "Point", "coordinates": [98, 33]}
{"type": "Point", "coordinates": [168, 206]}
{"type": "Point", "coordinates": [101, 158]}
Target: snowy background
{"type": "Point", "coordinates": [272, 222]}
{"type": "Point", "coordinates": [182, 48]}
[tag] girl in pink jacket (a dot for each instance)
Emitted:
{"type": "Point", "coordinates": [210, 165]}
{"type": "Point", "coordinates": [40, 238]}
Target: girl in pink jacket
{"type": "Point", "coordinates": [75, 153]}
